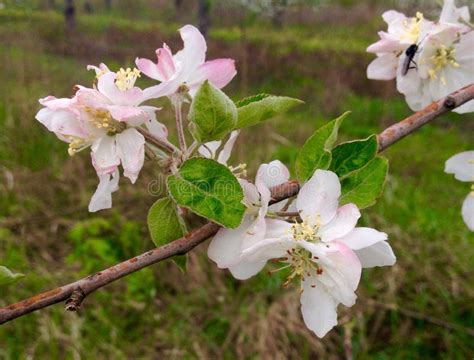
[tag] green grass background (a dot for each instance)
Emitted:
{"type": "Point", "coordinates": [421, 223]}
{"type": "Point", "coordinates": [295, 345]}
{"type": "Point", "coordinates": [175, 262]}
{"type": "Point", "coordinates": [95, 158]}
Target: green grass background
{"type": "Point", "coordinates": [419, 308]}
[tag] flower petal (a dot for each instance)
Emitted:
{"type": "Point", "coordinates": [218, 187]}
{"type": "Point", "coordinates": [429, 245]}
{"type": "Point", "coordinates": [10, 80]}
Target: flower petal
{"type": "Point", "coordinates": [156, 128]}
{"type": "Point", "coordinates": [379, 254]}
{"type": "Point", "coordinates": [225, 248]}
{"type": "Point", "coordinates": [318, 199]}
{"type": "Point", "coordinates": [218, 72]}
{"type": "Point", "coordinates": [106, 86]}
{"type": "Point", "coordinates": [267, 249]}
{"type": "Point", "coordinates": [131, 150]}
{"type": "Point", "coordinates": [163, 70]}
{"type": "Point", "coordinates": [245, 270]}
{"type": "Point", "coordinates": [273, 173]}
{"type": "Point", "coordinates": [132, 115]}
{"type": "Point", "coordinates": [362, 237]}
{"type": "Point", "coordinates": [318, 307]}
{"type": "Point", "coordinates": [384, 67]}
{"type": "Point", "coordinates": [468, 211]}
{"type": "Point", "coordinates": [194, 52]}
{"type": "Point", "coordinates": [226, 151]}
{"type": "Point", "coordinates": [102, 198]}
{"type": "Point", "coordinates": [462, 166]}
{"type": "Point", "coordinates": [104, 154]}
{"type": "Point", "coordinates": [344, 222]}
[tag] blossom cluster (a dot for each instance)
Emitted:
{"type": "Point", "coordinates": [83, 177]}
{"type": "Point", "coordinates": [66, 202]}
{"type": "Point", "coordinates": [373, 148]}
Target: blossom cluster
{"type": "Point", "coordinates": [428, 59]}
{"type": "Point", "coordinates": [110, 117]}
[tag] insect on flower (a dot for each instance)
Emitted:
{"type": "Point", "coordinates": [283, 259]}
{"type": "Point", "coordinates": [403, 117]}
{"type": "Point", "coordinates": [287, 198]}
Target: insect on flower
{"type": "Point", "coordinates": [410, 53]}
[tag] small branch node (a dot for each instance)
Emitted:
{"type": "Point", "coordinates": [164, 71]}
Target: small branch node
{"type": "Point", "coordinates": [450, 102]}
{"type": "Point", "coordinates": [75, 300]}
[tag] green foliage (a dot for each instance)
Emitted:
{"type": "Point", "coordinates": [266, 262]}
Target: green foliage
{"type": "Point", "coordinates": [212, 114]}
{"type": "Point", "coordinates": [353, 155]}
{"type": "Point", "coordinates": [165, 225]}
{"type": "Point", "coordinates": [316, 151]}
{"type": "Point", "coordinates": [209, 189]}
{"type": "Point", "coordinates": [363, 186]}
{"type": "Point", "coordinates": [255, 109]}
{"type": "Point", "coordinates": [7, 277]}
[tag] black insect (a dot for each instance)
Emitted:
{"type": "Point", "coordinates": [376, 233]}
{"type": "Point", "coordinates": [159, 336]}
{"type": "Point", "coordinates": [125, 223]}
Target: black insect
{"type": "Point", "coordinates": [409, 55]}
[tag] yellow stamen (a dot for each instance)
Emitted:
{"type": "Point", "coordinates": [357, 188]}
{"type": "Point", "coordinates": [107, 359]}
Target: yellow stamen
{"type": "Point", "coordinates": [125, 79]}
{"type": "Point", "coordinates": [443, 57]}
{"type": "Point", "coordinates": [412, 28]}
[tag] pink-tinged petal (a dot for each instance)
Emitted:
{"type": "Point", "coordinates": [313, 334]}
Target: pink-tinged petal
{"type": "Point", "coordinates": [383, 67]}
{"type": "Point", "coordinates": [99, 70]}
{"type": "Point", "coordinates": [318, 307]}
{"type": "Point", "coordinates": [54, 103]}
{"type": "Point", "coordinates": [106, 86]}
{"type": "Point", "coordinates": [163, 70]}
{"type": "Point", "coordinates": [194, 52]}
{"type": "Point", "coordinates": [132, 115]}
{"type": "Point", "coordinates": [226, 151]}
{"type": "Point", "coordinates": [451, 14]}
{"type": "Point", "coordinates": [245, 270]}
{"type": "Point", "coordinates": [218, 72]}
{"type": "Point", "coordinates": [62, 122]}
{"type": "Point", "coordinates": [462, 166]}
{"type": "Point", "coordinates": [362, 237]}
{"type": "Point", "coordinates": [468, 211]}
{"type": "Point", "coordinates": [386, 44]}
{"type": "Point", "coordinates": [131, 150]}
{"type": "Point", "coordinates": [379, 254]}
{"type": "Point", "coordinates": [318, 199]}
{"type": "Point", "coordinates": [91, 98]}
{"type": "Point", "coordinates": [267, 249]}
{"type": "Point", "coordinates": [225, 248]}
{"type": "Point", "coordinates": [343, 223]}
{"type": "Point", "coordinates": [104, 154]}
{"type": "Point", "coordinates": [102, 198]}
{"type": "Point", "coordinates": [166, 88]}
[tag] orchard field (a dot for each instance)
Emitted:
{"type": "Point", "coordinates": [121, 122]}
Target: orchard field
{"type": "Point", "coordinates": [420, 308]}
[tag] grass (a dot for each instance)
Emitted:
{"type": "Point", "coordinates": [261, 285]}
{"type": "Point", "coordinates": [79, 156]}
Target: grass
{"type": "Point", "coordinates": [419, 308]}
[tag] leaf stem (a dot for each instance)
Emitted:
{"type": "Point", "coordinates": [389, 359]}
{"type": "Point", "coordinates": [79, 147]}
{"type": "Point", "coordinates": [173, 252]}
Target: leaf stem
{"type": "Point", "coordinates": [178, 104]}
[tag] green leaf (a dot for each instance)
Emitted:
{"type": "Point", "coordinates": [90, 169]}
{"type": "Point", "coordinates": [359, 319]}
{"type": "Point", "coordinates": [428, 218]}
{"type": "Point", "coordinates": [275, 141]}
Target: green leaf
{"type": "Point", "coordinates": [165, 225]}
{"type": "Point", "coordinates": [353, 155]}
{"type": "Point", "coordinates": [212, 114]}
{"type": "Point", "coordinates": [7, 277]}
{"type": "Point", "coordinates": [362, 187]}
{"type": "Point", "coordinates": [257, 108]}
{"type": "Point", "coordinates": [316, 151]}
{"type": "Point", "coordinates": [210, 190]}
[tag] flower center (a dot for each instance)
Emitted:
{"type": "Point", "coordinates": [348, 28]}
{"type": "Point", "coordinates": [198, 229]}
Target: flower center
{"type": "Point", "coordinates": [305, 231]}
{"type": "Point", "coordinates": [125, 79]}
{"type": "Point", "coordinates": [443, 57]}
{"type": "Point", "coordinates": [102, 119]}
{"type": "Point", "coordinates": [412, 28]}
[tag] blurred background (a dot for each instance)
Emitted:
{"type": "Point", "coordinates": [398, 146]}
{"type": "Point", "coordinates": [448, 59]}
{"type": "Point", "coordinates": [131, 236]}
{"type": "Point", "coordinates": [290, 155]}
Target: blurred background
{"type": "Point", "coordinates": [313, 50]}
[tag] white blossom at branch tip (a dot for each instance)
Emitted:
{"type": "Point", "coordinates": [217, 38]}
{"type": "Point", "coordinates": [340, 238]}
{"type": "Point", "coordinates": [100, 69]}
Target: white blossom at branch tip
{"type": "Point", "coordinates": [442, 63]}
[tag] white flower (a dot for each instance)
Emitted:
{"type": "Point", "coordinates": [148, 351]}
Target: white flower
{"type": "Point", "coordinates": [462, 166]}
{"type": "Point", "coordinates": [226, 247]}
{"type": "Point", "coordinates": [326, 251]}
{"type": "Point", "coordinates": [450, 14]}
{"type": "Point", "coordinates": [445, 64]}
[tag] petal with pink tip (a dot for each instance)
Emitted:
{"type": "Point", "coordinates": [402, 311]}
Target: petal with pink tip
{"type": "Point", "coordinates": [193, 53]}
{"type": "Point", "coordinates": [218, 72]}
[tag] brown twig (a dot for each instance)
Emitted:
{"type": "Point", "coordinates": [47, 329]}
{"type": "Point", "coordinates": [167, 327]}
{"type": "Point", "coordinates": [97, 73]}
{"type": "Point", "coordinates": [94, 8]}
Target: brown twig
{"type": "Point", "coordinates": [186, 243]}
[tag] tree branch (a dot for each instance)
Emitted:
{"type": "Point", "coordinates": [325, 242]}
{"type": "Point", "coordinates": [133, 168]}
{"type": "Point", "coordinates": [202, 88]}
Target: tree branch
{"type": "Point", "coordinates": [74, 293]}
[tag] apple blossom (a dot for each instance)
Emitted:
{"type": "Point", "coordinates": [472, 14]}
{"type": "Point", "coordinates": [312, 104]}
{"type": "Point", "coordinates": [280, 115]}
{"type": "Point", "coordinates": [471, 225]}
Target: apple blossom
{"type": "Point", "coordinates": [187, 69]}
{"type": "Point", "coordinates": [326, 250]}
{"type": "Point", "coordinates": [226, 247]}
{"type": "Point", "coordinates": [104, 118]}
{"type": "Point", "coordinates": [462, 166]}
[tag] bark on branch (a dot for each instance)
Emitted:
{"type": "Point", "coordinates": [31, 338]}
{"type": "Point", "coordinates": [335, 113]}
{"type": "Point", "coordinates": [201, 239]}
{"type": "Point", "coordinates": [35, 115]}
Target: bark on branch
{"type": "Point", "coordinates": [74, 293]}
